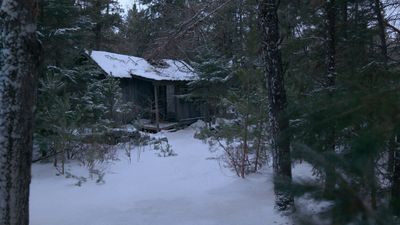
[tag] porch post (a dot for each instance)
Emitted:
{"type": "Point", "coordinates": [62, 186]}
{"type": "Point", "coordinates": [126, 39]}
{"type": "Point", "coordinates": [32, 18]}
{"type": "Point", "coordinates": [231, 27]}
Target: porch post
{"type": "Point", "coordinates": [156, 105]}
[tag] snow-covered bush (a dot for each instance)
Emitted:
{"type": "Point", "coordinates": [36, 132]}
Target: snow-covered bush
{"type": "Point", "coordinates": [162, 147]}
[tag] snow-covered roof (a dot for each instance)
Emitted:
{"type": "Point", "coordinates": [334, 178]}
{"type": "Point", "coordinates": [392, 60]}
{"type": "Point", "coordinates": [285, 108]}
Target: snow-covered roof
{"type": "Point", "coordinates": [125, 66]}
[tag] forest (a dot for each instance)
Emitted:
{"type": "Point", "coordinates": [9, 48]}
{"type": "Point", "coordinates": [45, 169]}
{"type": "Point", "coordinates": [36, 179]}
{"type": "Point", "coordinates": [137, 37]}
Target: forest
{"type": "Point", "coordinates": [297, 106]}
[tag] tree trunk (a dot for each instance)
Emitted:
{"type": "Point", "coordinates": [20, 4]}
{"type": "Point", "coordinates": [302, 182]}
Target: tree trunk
{"type": "Point", "coordinates": [245, 146]}
{"type": "Point", "coordinates": [330, 9]}
{"type": "Point", "coordinates": [277, 103]}
{"type": "Point", "coordinates": [258, 148]}
{"type": "Point", "coordinates": [345, 18]}
{"type": "Point", "coordinates": [98, 39]}
{"type": "Point", "coordinates": [157, 111]}
{"type": "Point", "coordinates": [330, 66]}
{"type": "Point", "coordinates": [381, 28]}
{"type": "Point", "coordinates": [19, 62]}
{"type": "Point", "coordinates": [99, 27]}
{"type": "Point", "coordinates": [395, 172]}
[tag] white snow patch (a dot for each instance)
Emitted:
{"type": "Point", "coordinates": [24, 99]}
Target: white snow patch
{"type": "Point", "coordinates": [303, 171]}
{"type": "Point", "coordinates": [189, 189]}
{"type": "Point", "coordinates": [198, 125]}
{"type": "Point", "coordinates": [62, 31]}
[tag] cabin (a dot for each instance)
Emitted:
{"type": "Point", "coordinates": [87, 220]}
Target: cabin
{"type": "Point", "coordinates": [160, 88]}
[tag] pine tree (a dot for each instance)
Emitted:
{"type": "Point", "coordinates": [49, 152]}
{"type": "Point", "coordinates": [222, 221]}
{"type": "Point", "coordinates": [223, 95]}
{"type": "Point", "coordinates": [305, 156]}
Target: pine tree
{"type": "Point", "coordinates": [68, 91]}
{"type": "Point", "coordinates": [105, 17]}
{"type": "Point", "coordinates": [354, 109]}
{"type": "Point", "coordinates": [138, 32]}
{"type": "Point", "coordinates": [214, 75]}
{"type": "Point", "coordinates": [61, 31]}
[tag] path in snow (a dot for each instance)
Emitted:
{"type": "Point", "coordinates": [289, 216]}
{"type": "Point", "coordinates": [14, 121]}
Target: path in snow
{"type": "Point", "coordinates": [189, 189]}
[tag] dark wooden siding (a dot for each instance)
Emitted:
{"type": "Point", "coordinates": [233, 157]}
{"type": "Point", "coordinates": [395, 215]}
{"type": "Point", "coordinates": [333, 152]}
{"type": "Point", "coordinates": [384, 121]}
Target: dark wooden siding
{"type": "Point", "coordinates": [171, 104]}
{"type": "Point", "coordinates": [185, 109]}
{"type": "Point", "coordinates": [137, 91]}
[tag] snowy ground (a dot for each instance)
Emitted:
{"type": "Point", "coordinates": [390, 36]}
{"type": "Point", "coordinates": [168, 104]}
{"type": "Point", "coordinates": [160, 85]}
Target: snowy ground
{"type": "Point", "coordinates": [189, 189]}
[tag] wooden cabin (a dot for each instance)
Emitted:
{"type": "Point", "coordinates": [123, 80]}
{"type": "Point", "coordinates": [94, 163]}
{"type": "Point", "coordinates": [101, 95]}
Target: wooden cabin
{"type": "Point", "coordinates": [159, 88]}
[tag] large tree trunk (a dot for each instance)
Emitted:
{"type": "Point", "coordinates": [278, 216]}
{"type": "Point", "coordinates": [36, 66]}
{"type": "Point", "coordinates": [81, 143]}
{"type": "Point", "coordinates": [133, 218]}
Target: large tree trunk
{"type": "Point", "coordinates": [19, 57]}
{"type": "Point", "coordinates": [277, 100]}
{"type": "Point", "coordinates": [330, 67]}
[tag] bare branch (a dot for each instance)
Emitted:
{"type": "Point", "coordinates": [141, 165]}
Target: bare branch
{"type": "Point", "coordinates": [393, 27]}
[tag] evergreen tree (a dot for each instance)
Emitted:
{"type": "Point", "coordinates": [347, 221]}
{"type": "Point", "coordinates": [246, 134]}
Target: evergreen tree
{"type": "Point", "coordinates": [214, 75]}
{"type": "Point", "coordinates": [73, 94]}
{"type": "Point", "coordinates": [231, 87]}
{"type": "Point", "coordinates": [105, 17]}
{"type": "Point", "coordinates": [138, 32]}
{"type": "Point", "coordinates": [353, 110]}
{"type": "Point", "coordinates": [61, 31]}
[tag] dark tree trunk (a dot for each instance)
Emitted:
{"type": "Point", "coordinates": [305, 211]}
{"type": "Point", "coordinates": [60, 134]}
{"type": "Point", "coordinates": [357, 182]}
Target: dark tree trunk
{"type": "Point", "coordinates": [19, 61]}
{"type": "Point", "coordinates": [330, 8]}
{"type": "Point", "coordinates": [330, 66]}
{"type": "Point", "coordinates": [99, 26]}
{"type": "Point", "coordinates": [394, 173]}
{"type": "Point", "coordinates": [98, 38]}
{"type": "Point", "coordinates": [394, 170]}
{"type": "Point", "coordinates": [345, 18]}
{"type": "Point", "coordinates": [269, 21]}
{"type": "Point", "coordinates": [381, 28]}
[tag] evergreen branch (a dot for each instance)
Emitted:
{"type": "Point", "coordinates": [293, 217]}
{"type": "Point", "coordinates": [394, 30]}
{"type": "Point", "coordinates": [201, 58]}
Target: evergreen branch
{"type": "Point", "coordinates": [185, 27]}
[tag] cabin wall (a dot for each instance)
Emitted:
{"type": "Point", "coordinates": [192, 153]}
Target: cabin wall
{"type": "Point", "coordinates": [185, 109]}
{"type": "Point", "coordinates": [138, 92]}
{"type": "Point", "coordinates": [171, 102]}
{"type": "Point", "coordinates": [172, 106]}
{"type": "Point", "coordinates": [162, 102]}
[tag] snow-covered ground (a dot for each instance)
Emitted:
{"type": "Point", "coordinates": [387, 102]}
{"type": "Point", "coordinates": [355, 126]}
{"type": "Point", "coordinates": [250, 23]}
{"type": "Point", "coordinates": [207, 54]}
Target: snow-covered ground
{"type": "Point", "coordinates": [188, 189]}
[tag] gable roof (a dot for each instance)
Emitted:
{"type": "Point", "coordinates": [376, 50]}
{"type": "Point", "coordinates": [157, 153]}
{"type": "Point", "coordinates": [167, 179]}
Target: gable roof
{"type": "Point", "coordinates": [125, 66]}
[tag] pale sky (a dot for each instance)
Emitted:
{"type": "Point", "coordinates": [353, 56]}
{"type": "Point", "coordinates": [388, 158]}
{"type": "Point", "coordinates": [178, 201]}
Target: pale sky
{"type": "Point", "coordinates": [127, 4]}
